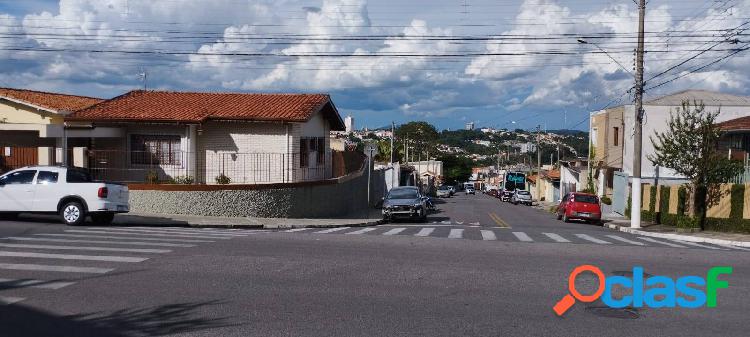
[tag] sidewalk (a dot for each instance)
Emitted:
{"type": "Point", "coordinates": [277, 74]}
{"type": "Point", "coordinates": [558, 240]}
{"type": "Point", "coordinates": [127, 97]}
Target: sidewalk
{"type": "Point", "coordinates": [156, 220]}
{"type": "Point", "coordinates": [618, 222]}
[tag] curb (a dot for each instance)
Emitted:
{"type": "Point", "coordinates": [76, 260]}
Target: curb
{"type": "Point", "coordinates": [679, 237]}
{"type": "Point", "coordinates": [292, 226]}
{"type": "Point", "coordinates": [243, 223]}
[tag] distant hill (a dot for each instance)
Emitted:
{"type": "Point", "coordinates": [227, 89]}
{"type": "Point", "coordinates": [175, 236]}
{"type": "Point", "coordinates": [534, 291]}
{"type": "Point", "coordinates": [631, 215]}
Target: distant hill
{"type": "Point", "coordinates": [566, 132]}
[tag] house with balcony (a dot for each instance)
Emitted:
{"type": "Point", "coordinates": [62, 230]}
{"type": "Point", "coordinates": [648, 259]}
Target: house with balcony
{"type": "Point", "coordinates": [736, 143]}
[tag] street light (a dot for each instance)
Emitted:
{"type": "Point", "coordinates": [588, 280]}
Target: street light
{"type": "Point", "coordinates": [582, 41]}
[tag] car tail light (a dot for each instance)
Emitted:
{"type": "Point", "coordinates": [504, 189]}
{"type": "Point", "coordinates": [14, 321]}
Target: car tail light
{"type": "Point", "coordinates": [103, 192]}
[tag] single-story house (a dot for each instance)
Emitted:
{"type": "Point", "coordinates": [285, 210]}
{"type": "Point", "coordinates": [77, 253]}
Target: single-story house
{"type": "Point", "coordinates": [31, 125]}
{"type": "Point", "coordinates": [211, 137]}
{"type": "Point", "coordinates": [736, 142]}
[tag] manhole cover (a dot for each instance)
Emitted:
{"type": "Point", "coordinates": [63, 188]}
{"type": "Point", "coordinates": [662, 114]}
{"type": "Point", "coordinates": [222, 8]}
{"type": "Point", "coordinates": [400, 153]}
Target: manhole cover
{"type": "Point", "coordinates": [621, 313]}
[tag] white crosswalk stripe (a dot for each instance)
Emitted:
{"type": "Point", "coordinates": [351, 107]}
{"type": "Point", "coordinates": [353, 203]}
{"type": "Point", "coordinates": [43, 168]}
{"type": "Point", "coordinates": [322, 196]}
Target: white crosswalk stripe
{"type": "Point", "coordinates": [425, 232]}
{"type": "Point", "coordinates": [194, 230]}
{"type": "Point", "coordinates": [293, 230]}
{"type": "Point", "coordinates": [695, 244]}
{"type": "Point", "coordinates": [133, 243]}
{"type": "Point", "coordinates": [456, 233]}
{"type": "Point", "coordinates": [157, 231]}
{"type": "Point", "coordinates": [363, 230]}
{"type": "Point", "coordinates": [661, 242]}
{"type": "Point", "coordinates": [148, 234]}
{"type": "Point", "coordinates": [326, 231]}
{"type": "Point", "coordinates": [593, 239]}
{"type": "Point", "coordinates": [26, 283]}
{"type": "Point", "coordinates": [104, 249]}
{"type": "Point", "coordinates": [521, 236]}
{"type": "Point", "coordinates": [488, 235]}
{"type": "Point", "coordinates": [10, 300]}
{"type": "Point", "coordinates": [395, 231]}
{"type": "Point", "coordinates": [622, 239]}
{"type": "Point", "coordinates": [73, 257]}
{"type": "Point", "coordinates": [60, 269]}
{"type": "Point", "coordinates": [125, 238]}
{"type": "Point", "coordinates": [556, 237]}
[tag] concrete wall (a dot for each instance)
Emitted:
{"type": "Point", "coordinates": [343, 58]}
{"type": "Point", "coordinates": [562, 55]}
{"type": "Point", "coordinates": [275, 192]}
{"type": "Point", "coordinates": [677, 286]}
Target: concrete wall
{"type": "Point", "coordinates": [346, 197]}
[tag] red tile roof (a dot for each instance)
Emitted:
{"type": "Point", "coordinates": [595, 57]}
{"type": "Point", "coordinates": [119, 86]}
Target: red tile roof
{"type": "Point", "coordinates": [48, 100]}
{"type": "Point", "coordinates": [194, 107]}
{"type": "Point", "coordinates": [737, 124]}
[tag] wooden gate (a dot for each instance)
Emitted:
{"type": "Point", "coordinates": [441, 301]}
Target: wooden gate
{"type": "Point", "coordinates": [12, 158]}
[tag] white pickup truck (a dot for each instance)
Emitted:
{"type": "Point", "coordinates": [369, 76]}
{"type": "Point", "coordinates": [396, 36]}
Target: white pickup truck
{"type": "Point", "coordinates": [69, 192]}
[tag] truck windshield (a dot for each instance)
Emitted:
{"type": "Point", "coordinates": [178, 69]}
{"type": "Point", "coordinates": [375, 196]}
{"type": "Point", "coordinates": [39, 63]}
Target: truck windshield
{"type": "Point", "coordinates": [403, 194]}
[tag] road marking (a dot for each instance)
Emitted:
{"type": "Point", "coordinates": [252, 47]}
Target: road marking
{"type": "Point", "coordinates": [125, 238]}
{"type": "Point", "coordinates": [133, 243]}
{"type": "Point", "coordinates": [696, 245]}
{"type": "Point", "coordinates": [61, 269]}
{"type": "Point", "coordinates": [135, 230]}
{"type": "Point", "coordinates": [363, 230]}
{"type": "Point", "coordinates": [446, 222]}
{"type": "Point", "coordinates": [194, 230]}
{"type": "Point", "coordinates": [73, 257]}
{"type": "Point", "coordinates": [27, 283]}
{"type": "Point", "coordinates": [332, 230]}
{"type": "Point", "coordinates": [499, 221]}
{"type": "Point", "coordinates": [488, 235]}
{"type": "Point", "coordinates": [521, 236]}
{"type": "Point", "coordinates": [294, 230]}
{"type": "Point", "coordinates": [593, 239]}
{"type": "Point", "coordinates": [395, 231]}
{"type": "Point", "coordinates": [622, 239]}
{"type": "Point", "coordinates": [425, 232]}
{"type": "Point", "coordinates": [475, 224]}
{"type": "Point", "coordinates": [147, 234]}
{"type": "Point", "coordinates": [661, 242]}
{"type": "Point", "coordinates": [105, 249]}
{"type": "Point", "coordinates": [460, 222]}
{"type": "Point", "coordinates": [556, 237]}
{"type": "Point", "coordinates": [10, 300]}
{"type": "Point", "coordinates": [732, 247]}
{"type": "Point", "coordinates": [456, 234]}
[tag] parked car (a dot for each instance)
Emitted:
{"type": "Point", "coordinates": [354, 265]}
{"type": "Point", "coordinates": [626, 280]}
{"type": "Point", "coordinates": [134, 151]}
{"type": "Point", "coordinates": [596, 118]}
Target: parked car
{"type": "Point", "coordinates": [68, 192]}
{"type": "Point", "coordinates": [492, 192]}
{"type": "Point", "coordinates": [506, 195]}
{"type": "Point", "coordinates": [405, 202]}
{"type": "Point", "coordinates": [579, 206]}
{"type": "Point", "coordinates": [453, 189]}
{"type": "Point", "coordinates": [521, 197]}
{"type": "Point", "coordinates": [470, 190]}
{"type": "Point", "coordinates": [443, 191]}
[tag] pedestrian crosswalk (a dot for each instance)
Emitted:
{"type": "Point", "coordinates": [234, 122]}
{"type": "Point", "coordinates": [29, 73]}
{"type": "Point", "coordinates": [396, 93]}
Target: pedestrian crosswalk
{"type": "Point", "coordinates": [42, 262]}
{"type": "Point", "coordinates": [491, 234]}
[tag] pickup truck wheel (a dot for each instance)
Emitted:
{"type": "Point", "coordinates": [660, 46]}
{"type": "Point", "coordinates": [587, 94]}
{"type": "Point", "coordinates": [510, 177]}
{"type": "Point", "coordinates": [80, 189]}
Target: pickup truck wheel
{"type": "Point", "coordinates": [72, 213]}
{"type": "Point", "coordinates": [103, 219]}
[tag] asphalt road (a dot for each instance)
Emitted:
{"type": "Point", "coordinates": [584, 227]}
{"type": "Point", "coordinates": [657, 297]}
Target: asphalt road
{"type": "Point", "coordinates": [456, 280]}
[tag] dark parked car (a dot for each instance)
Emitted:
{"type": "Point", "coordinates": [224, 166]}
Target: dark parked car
{"type": "Point", "coordinates": [579, 206]}
{"type": "Point", "coordinates": [405, 202]}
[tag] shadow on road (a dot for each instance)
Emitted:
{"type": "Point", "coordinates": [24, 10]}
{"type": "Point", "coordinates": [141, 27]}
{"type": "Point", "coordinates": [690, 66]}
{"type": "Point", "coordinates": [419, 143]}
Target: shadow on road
{"type": "Point", "coordinates": [18, 320]}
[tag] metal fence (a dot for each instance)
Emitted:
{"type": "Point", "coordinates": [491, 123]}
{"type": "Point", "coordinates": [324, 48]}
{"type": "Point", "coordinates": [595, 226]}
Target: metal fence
{"type": "Point", "coordinates": [744, 177]}
{"type": "Point", "coordinates": [182, 167]}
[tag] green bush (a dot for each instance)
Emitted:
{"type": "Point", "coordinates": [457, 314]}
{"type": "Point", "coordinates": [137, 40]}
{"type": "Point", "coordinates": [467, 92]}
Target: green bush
{"type": "Point", "coordinates": [652, 201]}
{"type": "Point", "coordinates": [628, 206]}
{"type": "Point", "coordinates": [152, 177]}
{"type": "Point", "coordinates": [648, 216]}
{"type": "Point", "coordinates": [222, 179]}
{"type": "Point", "coordinates": [682, 195]}
{"type": "Point", "coordinates": [664, 199]}
{"type": "Point", "coordinates": [606, 200]}
{"type": "Point", "coordinates": [738, 201]}
{"type": "Point", "coordinates": [684, 221]}
{"type": "Point", "coordinates": [728, 225]}
{"type": "Point", "coordinates": [182, 180]}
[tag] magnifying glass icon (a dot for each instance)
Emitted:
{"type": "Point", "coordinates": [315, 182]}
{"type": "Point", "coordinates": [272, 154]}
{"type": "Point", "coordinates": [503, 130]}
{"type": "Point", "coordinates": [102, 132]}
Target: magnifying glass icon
{"type": "Point", "coordinates": [568, 300]}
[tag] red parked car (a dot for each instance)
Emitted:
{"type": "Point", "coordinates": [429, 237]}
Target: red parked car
{"type": "Point", "coordinates": [579, 206]}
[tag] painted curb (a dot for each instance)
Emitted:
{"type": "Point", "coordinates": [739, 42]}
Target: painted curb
{"type": "Point", "coordinates": [679, 237]}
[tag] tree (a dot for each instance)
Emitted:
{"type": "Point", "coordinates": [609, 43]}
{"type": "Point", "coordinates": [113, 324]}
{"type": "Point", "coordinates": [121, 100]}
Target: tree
{"type": "Point", "coordinates": [422, 137]}
{"type": "Point", "coordinates": [689, 147]}
{"type": "Point", "coordinates": [456, 169]}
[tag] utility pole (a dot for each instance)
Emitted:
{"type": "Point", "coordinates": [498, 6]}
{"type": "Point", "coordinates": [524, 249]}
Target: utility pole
{"type": "Point", "coordinates": [393, 135]}
{"type": "Point", "coordinates": [539, 162]}
{"type": "Point", "coordinates": [635, 208]}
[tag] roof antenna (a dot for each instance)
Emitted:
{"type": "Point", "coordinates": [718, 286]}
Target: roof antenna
{"type": "Point", "coordinates": [143, 76]}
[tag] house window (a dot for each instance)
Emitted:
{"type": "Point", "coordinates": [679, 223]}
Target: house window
{"type": "Point", "coordinates": [616, 138]}
{"type": "Point", "coordinates": [321, 150]}
{"type": "Point", "coordinates": [155, 150]}
{"type": "Point", "coordinates": [304, 152]}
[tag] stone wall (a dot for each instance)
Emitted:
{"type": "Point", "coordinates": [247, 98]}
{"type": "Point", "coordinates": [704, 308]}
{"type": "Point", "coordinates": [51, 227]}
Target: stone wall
{"type": "Point", "coordinates": [343, 197]}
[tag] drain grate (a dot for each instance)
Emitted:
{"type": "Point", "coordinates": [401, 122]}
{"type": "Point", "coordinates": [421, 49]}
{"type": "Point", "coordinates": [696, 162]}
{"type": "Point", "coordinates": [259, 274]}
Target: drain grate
{"type": "Point", "coordinates": [621, 313]}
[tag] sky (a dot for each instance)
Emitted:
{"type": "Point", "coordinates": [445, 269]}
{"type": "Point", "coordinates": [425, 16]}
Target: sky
{"type": "Point", "coordinates": [497, 63]}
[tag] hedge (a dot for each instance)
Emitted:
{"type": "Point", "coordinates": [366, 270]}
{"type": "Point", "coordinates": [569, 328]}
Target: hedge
{"type": "Point", "coordinates": [652, 201]}
{"type": "Point", "coordinates": [728, 225]}
{"type": "Point", "coordinates": [738, 201]}
{"type": "Point", "coordinates": [682, 195]}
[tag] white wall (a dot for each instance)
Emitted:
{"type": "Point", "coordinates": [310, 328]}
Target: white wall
{"type": "Point", "coordinates": [656, 118]}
